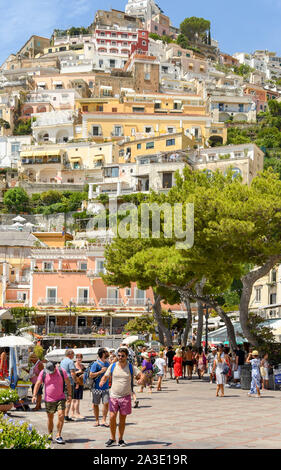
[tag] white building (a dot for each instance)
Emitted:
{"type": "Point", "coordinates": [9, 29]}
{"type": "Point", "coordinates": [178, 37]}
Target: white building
{"type": "Point", "coordinates": [55, 126]}
{"type": "Point", "coordinates": [10, 148]}
{"type": "Point", "coordinates": [143, 9]}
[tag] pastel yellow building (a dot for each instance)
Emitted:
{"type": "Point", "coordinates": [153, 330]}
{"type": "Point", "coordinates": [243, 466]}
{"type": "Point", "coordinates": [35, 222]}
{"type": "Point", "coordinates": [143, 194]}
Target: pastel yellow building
{"type": "Point", "coordinates": [130, 150]}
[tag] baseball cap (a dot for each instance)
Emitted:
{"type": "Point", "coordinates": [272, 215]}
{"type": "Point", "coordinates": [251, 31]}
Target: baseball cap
{"type": "Point", "coordinates": [50, 367]}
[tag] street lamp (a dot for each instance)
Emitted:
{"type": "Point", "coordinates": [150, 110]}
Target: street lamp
{"type": "Point", "coordinates": [69, 307]}
{"type": "Point", "coordinates": [206, 333]}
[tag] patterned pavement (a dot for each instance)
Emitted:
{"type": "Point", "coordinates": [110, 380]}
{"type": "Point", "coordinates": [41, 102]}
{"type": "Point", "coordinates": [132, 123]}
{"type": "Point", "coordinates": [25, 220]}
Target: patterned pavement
{"type": "Point", "coordinates": [187, 415]}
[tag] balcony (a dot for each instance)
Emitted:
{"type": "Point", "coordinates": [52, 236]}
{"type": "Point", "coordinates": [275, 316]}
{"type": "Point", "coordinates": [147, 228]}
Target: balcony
{"type": "Point", "coordinates": [106, 302]}
{"type": "Point", "coordinates": [82, 301]}
{"type": "Point", "coordinates": [93, 273]}
{"type": "Point", "coordinates": [50, 301]}
{"type": "Point", "coordinates": [80, 330]}
{"type": "Point", "coordinates": [136, 302]}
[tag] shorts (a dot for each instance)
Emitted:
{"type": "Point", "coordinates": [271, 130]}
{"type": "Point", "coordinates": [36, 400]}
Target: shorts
{"type": "Point", "coordinates": [100, 396]}
{"type": "Point", "coordinates": [78, 393]}
{"type": "Point", "coordinates": [122, 404]}
{"type": "Point", "coordinates": [40, 391]}
{"type": "Point", "coordinates": [53, 406]}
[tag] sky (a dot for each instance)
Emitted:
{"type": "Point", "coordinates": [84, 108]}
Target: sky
{"type": "Point", "coordinates": [240, 25]}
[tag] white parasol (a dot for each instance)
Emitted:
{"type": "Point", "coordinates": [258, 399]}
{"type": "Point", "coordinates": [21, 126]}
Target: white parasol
{"type": "Point", "coordinates": [11, 341]}
{"type": "Point", "coordinates": [130, 339]}
{"type": "Point", "coordinates": [18, 218]}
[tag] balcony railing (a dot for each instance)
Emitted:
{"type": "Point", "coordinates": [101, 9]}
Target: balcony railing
{"type": "Point", "coordinates": [136, 302]}
{"type": "Point", "coordinates": [107, 301]}
{"type": "Point", "coordinates": [93, 273]}
{"type": "Point", "coordinates": [82, 301]}
{"type": "Point", "coordinates": [50, 301]}
{"type": "Point", "coordinates": [80, 330]}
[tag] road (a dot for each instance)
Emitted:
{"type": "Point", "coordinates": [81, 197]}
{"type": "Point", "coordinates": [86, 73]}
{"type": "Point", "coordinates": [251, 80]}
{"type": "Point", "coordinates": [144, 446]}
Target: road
{"type": "Point", "coordinates": [187, 415]}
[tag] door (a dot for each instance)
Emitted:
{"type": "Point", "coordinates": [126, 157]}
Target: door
{"type": "Point", "coordinates": [112, 296]}
{"type": "Point", "coordinates": [83, 296]}
{"type": "Point", "coordinates": [51, 295]}
{"type": "Point", "coordinates": [167, 180]}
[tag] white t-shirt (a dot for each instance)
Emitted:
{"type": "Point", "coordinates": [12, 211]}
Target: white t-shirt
{"type": "Point", "coordinates": [160, 363]}
{"type": "Point", "coordinates": [121, 380]}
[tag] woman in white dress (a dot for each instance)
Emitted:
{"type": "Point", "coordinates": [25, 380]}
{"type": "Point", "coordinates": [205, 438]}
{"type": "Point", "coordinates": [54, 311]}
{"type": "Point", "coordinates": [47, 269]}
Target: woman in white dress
{"type": "Point", "coordinates": [218, 366]}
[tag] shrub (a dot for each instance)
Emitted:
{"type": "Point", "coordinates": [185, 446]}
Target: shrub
{"type": "Point", "coordinates": [7, 395]}
{"type": "Point", "coordinates": [16, 200]}
{"type": "Point", "coordinates": [20, 435]}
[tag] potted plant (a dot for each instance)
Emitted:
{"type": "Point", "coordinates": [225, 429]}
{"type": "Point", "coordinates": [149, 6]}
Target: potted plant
{"type": "Point", "coordinates": [7, 398]}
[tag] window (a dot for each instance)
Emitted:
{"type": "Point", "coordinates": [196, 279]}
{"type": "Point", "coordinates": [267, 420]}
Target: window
{"type": "Point", "coordinates": [83, 266]}
{"type": "Point", "coordinates": [272, 299]}
{"type": "Point", "coordinates": [273, 275]}
{"type": "Point", "coordinates": [82, 295]}
{"type": "Point", "coordinates": [96, 130]}
{"type": "Point", "coordinates": [48, 266]}
{"type": "Point", "coordinates": [85, 109]}
{"type": "Point", "coordinates": [112, 63]}
{"type": "Point", "coordinates": [138, 110]}
{"type": "Point", "coordinates": [138, 146]}
{"type": "Point", "coordinates": [51, 295]}
{"type": "Point", "coordinates": [91, 84]}
{"type": "Point", "coordinates": [167, 180]}
{"type": "Point", "coordinates": [118, 131]}
{"type": "Point", "coordinates": [114, 110]}
{"type": "Point", "coordinates": [258, 294]}
{"type": "Point", "coordinates": [21, 296]}
{"type": "Point", "coordinates": [15, 148]}
{"type": "Point", "coordinates": [112, 172]}
{"type": "Point", "coordinates": [170, 142]}
{"type": "Point", "coordinates": [147, 130]}
{"type": "Point", "coordinates": [149, 145]}
{"type": "Point", "coordinates": [100, 266]}
{"type": "Point", "coordinates": [128, 292]}
{"type": "Point", "coordinates": [144, 43]}
{"type": "Point", "coordinates": [241, 108]}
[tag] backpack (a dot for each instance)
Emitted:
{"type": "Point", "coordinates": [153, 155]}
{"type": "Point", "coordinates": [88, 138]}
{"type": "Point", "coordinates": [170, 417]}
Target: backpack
{"type": "Point", "coordinates": [62, 376]}
{"type": "Point", "coordinates": [87, 380]}
{"type": "Point", "coordinates": [131, 370]}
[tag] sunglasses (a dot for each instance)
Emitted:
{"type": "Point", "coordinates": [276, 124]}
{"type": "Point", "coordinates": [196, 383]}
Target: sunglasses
{"type": "Point", "coordinates": [121, 355]}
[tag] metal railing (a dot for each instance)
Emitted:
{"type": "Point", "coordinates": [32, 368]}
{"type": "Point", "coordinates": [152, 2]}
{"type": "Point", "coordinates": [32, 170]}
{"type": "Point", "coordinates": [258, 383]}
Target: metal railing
{"type": "Point", "coordinates": [82, 301]}
{"type": "Point", "coordinates": [80, 330]}
{"type": "Point", "coordinates": [108, 301]}
{"type": "Point", "coordinates": [50, 301]}
{"type": "Point", "coordinates": [136, 302]}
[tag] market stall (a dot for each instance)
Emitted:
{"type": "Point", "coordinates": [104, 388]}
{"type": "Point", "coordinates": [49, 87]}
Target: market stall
{"type": "Point", "coordinates": [12, 373]}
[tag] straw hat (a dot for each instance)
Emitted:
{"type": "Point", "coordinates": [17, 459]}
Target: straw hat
{"type": "Point", "coordinates": [255, 353]}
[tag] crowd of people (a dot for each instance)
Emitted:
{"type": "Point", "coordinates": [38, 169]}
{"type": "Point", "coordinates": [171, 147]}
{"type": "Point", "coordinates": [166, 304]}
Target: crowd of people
{"type": "Point", "coordinates": [116, 374]}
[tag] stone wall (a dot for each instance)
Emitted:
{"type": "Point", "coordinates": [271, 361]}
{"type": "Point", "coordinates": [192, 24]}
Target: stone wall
{"type": "Point", "coordinates": [49, 222]}
{"type": "Point", "coordinates": [32, 188]}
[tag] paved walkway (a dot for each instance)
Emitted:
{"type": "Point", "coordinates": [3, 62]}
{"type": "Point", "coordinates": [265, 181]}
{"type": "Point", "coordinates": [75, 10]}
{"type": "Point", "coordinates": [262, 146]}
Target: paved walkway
{"type": "Point", "coordinates": [187, 415]}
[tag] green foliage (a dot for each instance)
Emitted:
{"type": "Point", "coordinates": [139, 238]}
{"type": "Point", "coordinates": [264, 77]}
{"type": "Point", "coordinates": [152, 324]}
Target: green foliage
{"type": "Point", "coordinates": [143, 324]}
{"type": "Point", "coordinates": [20, 435]}
{"type": "Point", "coordinates": [39, 351]}
{"type": "Point", "coordinates": [23, 127]}
{"type": "Point", "coordinates": [4, 124]}
{"type": "Point", "coordinates": [50, 197]}
{"type": "Point", "coordinates": [195, 28]}
{"type": "Point", "coordinates": [243, 70]}
{"type": "Point", "coordinates": [22, 312]}
{"type": "Point", "coordinates": [182, 41]}
{"type": "Point", "coordinates": [16, 200]}
{"type": "Point", "coordinates": [103, 198]}
{"type": "Point", "coordinates": [7, 395]}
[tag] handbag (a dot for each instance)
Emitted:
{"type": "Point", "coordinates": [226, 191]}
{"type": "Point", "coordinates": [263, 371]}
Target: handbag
{"type": "Point", "coordinates": [236, 375]}
{"type": "Point", "coordinates": [225, 369]}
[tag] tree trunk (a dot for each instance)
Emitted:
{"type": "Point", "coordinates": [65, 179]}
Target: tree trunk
{"type": "Point", "coordinates": [157, 317]}
{"type": "Point", "coordinates": [199, 291]}
{"type": "Point", "coordinates": [229, 326]}
{"type": "Point", "coordinates": [186, 301]}
{"type": "Point", "coordinates": [248, 281]}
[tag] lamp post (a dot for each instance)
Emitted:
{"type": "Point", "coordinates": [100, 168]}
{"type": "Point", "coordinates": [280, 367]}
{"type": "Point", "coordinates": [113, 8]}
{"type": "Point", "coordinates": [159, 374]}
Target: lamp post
{"type": "Point", "coordinates": [206, 333]}
{"type": "Point", "coordinates": [69, 307]}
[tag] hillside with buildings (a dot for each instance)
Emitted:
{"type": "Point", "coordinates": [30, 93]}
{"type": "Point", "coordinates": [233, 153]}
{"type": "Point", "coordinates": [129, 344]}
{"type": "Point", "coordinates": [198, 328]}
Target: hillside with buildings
{"type": "Point", "coordinates": [108, 112]}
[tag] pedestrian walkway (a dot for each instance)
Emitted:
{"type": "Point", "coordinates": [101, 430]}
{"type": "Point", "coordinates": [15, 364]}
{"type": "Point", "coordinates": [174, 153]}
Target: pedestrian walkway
{"type": "Point", "coordinates": [187, 415]}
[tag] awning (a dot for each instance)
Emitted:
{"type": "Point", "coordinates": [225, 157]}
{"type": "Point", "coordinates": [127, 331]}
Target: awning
{"type": "Point", "coordinates": [57, 82]}
{"type": "Point", "coordinates": [141, 176]}
{"type": "Point", "coordinates": [26, 154]}
{"type": "Point", "coordinates": [178, 101]}
{"type": "Point", "coordinates": [98, 157]}
{"type": "Point", "coordinates": [103, 87]}
{"type": "Point", "coordinates": [128, 314]}
{"type": "Point", "coordinates": [42, 153]}
{"type": "Point", "coordinates": [41, 83]}
{"type": "Point", "coordinates": [75, 159]}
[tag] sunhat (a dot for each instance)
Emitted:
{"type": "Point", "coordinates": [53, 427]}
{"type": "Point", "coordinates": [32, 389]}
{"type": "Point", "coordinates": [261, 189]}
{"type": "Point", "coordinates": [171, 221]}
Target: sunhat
{"type": "Point", "coordinates": [255, 353]}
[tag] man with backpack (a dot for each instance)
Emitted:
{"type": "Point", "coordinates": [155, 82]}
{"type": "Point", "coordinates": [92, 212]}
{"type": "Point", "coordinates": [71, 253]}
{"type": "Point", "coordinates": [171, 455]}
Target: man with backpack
{"type": "Point", "coordinates": [100, 393]}
{"type": "Point", "coordinates": [55, 380]}
{"type": "Point", "coordinates": [122, 374]}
